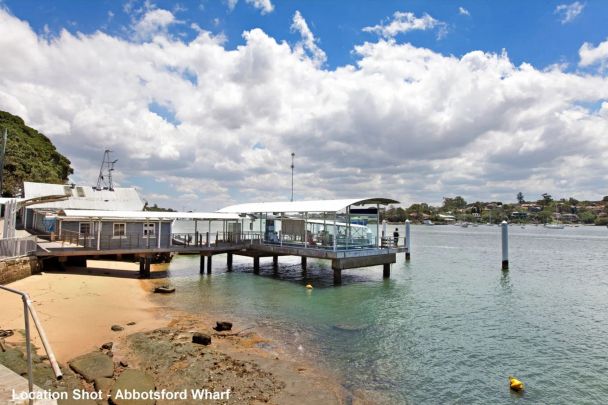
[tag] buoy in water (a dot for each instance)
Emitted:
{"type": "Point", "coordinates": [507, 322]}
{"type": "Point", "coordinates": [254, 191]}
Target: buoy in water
{"type": "Point", "coordinates": [309, 286]}
{"type": "Point", "coordinates": [515, 384]}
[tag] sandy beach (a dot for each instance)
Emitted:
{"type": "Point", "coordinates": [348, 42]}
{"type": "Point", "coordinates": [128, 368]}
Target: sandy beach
{"type": "Point", "coordinates": [78, 307]}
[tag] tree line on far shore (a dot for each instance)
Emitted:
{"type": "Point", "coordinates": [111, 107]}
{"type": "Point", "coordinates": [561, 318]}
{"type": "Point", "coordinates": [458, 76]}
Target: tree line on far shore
{"type": "Point", "coordinates": [543, 210]}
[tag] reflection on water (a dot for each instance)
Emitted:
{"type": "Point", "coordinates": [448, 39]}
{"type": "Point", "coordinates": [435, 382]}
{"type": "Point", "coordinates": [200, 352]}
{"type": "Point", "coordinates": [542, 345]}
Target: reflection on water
{"type": "Point", "coordinates": [449, 326]}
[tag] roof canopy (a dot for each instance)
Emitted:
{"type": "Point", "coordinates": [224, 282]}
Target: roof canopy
{"type": "Point", "coordinates": [84, 197]}
{"type": "Point", "coordinates": [304, 206]}
{"type": "Point", "coordinates": [143, 215]}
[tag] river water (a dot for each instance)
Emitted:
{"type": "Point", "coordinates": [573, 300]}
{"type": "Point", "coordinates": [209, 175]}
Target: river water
{"type": "Point", "coordinates": [448, 326]}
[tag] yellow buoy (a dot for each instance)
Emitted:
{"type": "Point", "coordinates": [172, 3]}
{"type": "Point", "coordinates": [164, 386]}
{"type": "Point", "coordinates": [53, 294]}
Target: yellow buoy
{"type": "Point", "coordinates": [515, 384]}
{"type": "Point", "coordinates": [309, 286]}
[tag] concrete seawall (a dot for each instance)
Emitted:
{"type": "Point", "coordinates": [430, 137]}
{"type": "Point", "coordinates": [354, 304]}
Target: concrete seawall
{"type": "Point", "coordinates": [16, 268]}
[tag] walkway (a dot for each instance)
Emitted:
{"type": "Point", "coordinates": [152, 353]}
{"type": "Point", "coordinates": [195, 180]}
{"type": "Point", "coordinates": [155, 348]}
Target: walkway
{"type": "Point", "coordinates": [10, 381]}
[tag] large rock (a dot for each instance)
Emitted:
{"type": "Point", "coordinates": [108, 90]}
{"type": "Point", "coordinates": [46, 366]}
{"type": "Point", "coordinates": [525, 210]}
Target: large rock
{"type": "Point", "coordinates": [201, 338]}
{"type": "Point", "coordinates": [117, 328]}
{"type": "Point", "coordinates": [222, 326]}
{"type": "Point", "coordinates": [130, 381]}
{"type": "Point", "coordinates": [93, 365]}
{"type": "Point", "coordinates": [165, 289]}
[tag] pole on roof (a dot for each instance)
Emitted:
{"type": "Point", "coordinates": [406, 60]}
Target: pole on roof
{"type": "Point", "coordinates": [292, 156]}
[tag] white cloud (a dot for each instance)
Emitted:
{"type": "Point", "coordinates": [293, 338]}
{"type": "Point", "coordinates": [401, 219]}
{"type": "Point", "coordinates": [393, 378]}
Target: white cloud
{"type": "Point", "coordinates": [403, 22]}
{"type": "Point", "coordinates": [153, 22]}
{"type": "Point", "coordinates": [402, 121]}
{"type": "Point", "coordinates": [231, 4]}
{"type": "Point", "coordinates": [308, 42]}
{"type": "Point", "coordinates": [463, 11]}
{"type": "Point", "coordinates": [590, 55]}
{"type": "Point", "coordinates": [265, 6]}
{"type": "Point", "coordinates": [568, 12]}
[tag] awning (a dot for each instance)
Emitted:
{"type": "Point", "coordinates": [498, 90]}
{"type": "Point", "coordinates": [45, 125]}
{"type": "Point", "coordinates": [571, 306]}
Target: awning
{"type": "Point", "coordinates": [146, 215]}
{"type": "Point", "coordinates": [304, 206]}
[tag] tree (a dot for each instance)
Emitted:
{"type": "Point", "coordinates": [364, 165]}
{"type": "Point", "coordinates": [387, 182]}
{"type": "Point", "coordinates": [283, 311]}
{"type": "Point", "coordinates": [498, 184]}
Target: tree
{"type": "Point", "coordinates": [520, 197]}
{"type": "Point", "coordinates": [547, 199]}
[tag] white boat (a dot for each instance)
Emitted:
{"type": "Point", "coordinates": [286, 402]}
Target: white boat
{"type": "Point", "coordinates": [428, 222]}
{"type": "Point", "coordinates": [554, 226]}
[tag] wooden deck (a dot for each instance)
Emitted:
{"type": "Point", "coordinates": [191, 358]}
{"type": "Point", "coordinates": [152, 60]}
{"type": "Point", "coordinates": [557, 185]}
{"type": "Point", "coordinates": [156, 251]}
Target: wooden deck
{"type": "Point", "coordinates": [10, 381]}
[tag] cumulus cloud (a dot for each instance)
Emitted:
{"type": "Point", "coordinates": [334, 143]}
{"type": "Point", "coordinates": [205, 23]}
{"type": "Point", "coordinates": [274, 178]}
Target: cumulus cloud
{"type": "Point", "coordinates": [308, 42]}
{"type": "Point", "coordinates": [568, 12]}
{"type": "Point", "coordinates": [590, 55]}
{"type": "Point", "coordinates": [265, 6]}
{"type": "Point", "coordinates": [153, 22]}
{"type": "Point", "coordinates": [463, 11]}
{"type": "Point", "coordinates": [403, 22]}
{"type": "Point", "coordinates": [402, 121]}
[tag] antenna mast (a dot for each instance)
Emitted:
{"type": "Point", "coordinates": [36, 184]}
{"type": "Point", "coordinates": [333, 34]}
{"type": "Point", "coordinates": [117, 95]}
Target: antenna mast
{"type": "Point", "coordinates": [292, 156]}
{"type": "Point", "coordinates": [104, 181]}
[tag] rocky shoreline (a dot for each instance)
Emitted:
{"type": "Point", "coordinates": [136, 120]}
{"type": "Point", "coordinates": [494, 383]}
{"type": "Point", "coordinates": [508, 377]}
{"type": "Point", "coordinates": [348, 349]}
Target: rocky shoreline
{"type": "Point", "coordinates": [177, 359]}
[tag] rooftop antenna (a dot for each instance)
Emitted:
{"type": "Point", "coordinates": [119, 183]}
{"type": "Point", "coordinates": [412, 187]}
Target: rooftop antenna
{"type": "Point", "coordinates": [104, 181]}
{"type": "Point", "coordinates": [292, 156]}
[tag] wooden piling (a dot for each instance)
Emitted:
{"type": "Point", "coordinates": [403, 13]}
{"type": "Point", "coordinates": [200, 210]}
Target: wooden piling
{"type": "Point", "coordinates": [386, 273]}
{"type": "Point", "coordinates": [275, 263]}
{"type": "Point", "coordinates": [229, 261]}
{"type": "Point", "coordinates": [256, 265]}
{"type": "Point", "coordinates": [209, 264]}
{"type": "Point", "coordinates": [202, 265]}
{"type": "Point", "coordinates": [304, 263]}
{"type": "Point", "coordinates": [337, 276]}
{"type": "Point", "coordinates": [504, 226]}
{"type": "Point", "coordinates": [407, 239]}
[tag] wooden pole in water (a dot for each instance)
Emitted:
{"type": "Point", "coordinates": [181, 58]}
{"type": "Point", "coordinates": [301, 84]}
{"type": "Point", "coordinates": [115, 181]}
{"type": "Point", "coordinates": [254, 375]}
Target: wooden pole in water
{"type": "Point", "coordinates": [505, 244]}
{"type": "Point", "coordinates": [407, 239]}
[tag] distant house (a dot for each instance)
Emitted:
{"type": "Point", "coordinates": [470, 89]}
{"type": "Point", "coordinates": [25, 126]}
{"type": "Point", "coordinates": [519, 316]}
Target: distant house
{"type": "Point", "coordinates": [42, 217]}
{"type": "Point", "coordinates": [519, 215]}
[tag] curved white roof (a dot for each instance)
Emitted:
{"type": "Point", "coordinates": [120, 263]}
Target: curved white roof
{"type": "Point", "coordinates": [152, 215]}
{"type": "Point", "coordinates": [305, 206]}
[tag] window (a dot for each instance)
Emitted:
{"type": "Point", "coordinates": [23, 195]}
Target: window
{"type": "Point", "coordinates": [85, 228]}
{"type": "Point", "coordinates": [149, 230]}
{"type": "Point", "coordinates": [120, 230]}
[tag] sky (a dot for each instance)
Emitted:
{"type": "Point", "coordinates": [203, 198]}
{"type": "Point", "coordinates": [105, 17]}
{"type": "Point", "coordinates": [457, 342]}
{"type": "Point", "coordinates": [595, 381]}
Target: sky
{"type": "Point", "coordinates": [203, 102]}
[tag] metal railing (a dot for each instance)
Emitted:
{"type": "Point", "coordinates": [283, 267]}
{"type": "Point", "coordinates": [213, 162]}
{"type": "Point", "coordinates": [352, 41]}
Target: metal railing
{"type": "Point", "coordinates": [28, 310]}
{"type": "Point", "coordinates": [14, 247]}
{"type": "Point", "coordinates": [202, 239]}
{"type": "Point", "coordinates": [325, 241]}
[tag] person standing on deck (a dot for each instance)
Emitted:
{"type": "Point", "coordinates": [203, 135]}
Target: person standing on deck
{"type": "Point", "coordinates": [396, 236]}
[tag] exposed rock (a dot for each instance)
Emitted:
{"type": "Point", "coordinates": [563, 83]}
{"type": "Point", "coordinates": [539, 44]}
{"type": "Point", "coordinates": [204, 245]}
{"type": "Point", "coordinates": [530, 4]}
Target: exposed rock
{"type": "Point", "coordinates": [222, 326]}
{"type": "Point", "coordinates": [132, 380]}
{"type": "Point", "coordinates": [107, 346]}
{"type": "Point", "coordinates": [124, 363]}
{"type": "Point", "coordinates": [131, 324]}
{"type": "Point", "coordinates": [350, 327]}
{"type": "Point", "coordinates": [117, 328]}
{"type": "Point", "coordinates": [93, 365]}
{"type": "Point", "coordinates": [165, 289]}
{"type": "Point", "coordinates": [104, 385]}
{"type": "Point", "coordinates": [201, 338]}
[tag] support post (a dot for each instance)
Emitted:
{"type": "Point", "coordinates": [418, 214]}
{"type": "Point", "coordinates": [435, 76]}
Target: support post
{"type": "Point", "coordinates": [275, 262]}
{"type": "Point", "coordinates": [335, 234]}
{"type": "Point", "coordinates": [337, 276]}
{"type": "Point", "coordinates": [229, 261]}
{"type": "Point", "coordinates": [504, 226]}
{"type": "Point", "coordinates": [202, 265]}
{"type": "Point", "coordinates": [209, 264]}
{"type": "Point", "coordinates": [304, 263]}
{"type": "Point", "coordinates": [256, 265]}
{"type": "Point", "coordinates": [142, 266]}
{"type": "Point", "coordinates": [386, 273]}
{"type": "Point", "coordinates": [407, 239]}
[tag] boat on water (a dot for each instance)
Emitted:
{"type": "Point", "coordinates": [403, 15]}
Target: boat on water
{"type": "Point", "coordinates": [462, 224]}
{"type": "Point", "coordinates": [554, 225]}
{"type": "Point", "coordinates": [428, 222]}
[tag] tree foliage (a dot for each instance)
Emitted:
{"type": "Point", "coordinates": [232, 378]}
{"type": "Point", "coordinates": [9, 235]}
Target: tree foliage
{"type": "Point", "coordinates": [30, 156]}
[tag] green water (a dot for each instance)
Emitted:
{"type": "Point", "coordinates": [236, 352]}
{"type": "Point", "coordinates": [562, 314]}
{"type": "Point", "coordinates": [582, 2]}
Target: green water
{"type": "Point", "coordinates": [449, 326]}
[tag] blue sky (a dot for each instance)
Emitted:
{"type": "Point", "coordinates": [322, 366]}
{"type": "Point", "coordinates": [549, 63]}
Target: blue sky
{"type": "Point", "coordinates": [203, 101]}
{"type": "Point", "coordinates": [530, 31]}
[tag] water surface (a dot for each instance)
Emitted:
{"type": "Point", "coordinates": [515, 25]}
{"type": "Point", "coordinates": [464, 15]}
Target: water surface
{"type": "Point", "coordinates": [448, 326]}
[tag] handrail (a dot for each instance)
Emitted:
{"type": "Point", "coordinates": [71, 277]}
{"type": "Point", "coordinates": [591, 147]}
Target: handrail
{"type": "Point", "coordinates": [27, 310]}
